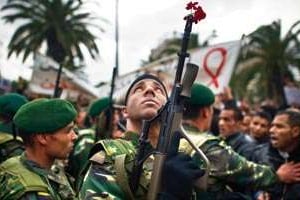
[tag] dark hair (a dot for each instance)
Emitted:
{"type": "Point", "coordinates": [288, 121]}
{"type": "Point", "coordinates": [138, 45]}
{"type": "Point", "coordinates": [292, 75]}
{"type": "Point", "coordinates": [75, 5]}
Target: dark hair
{"type": "Point", "coordinates": [26, 137]}
{"type": "Point", "coordinates": [264, 115]}
{"type": "Point", "coordinates": [191, 111]}
{"type": "Point", "coordinates": [6, 118]}
{"type": "Point", "coordinates": [294, 117]}
{"type": "Point", "coordinates": [271, 110]}
{"type": "Point", "coordinates": [237, 113]}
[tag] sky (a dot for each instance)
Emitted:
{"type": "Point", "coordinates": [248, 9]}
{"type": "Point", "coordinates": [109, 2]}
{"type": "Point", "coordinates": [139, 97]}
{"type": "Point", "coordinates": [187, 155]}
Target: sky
{"type": "Point", "coordinates": [144, 24]}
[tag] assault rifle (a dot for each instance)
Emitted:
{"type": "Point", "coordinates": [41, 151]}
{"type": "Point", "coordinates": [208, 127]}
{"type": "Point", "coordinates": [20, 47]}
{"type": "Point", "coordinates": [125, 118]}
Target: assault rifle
{"type": "Point", "coordinates": [170, 116]}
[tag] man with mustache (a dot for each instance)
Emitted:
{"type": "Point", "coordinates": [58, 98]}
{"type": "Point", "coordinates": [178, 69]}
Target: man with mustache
{"type": "Point", "coordinates": [108, 175]}
{"type": "Point", "coordinates": [46, 128]}
{"type": "Point", "coordinates": [284, 147]}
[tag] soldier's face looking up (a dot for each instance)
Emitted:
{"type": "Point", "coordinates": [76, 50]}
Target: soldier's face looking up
{"type": "Point", "coordinates": [146, 97]}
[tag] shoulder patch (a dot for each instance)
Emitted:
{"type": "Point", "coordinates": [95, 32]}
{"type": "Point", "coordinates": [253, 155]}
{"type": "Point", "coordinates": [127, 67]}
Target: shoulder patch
{"type": "Point", "coordinates": [17, 180]}
{"type": "Point", "coordinates": [98, 157]}
{"type": "Point", "coordinates": [198, 138]}
{"type": "Point", "coordinates": [117, 147]}
{"type": "Point", "coordinates": [114, 148]}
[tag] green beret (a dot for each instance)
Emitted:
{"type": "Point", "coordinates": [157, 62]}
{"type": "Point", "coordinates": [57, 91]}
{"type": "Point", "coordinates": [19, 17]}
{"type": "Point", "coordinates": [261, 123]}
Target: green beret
{"type": "Point", "coordinates": [10, 103]}
{"type": "Point", "coordinates": [98, 106]}
{"type": "Point", "coordinates": [201, 96]}
{"type": "Point", "coordinates": [45, 115]}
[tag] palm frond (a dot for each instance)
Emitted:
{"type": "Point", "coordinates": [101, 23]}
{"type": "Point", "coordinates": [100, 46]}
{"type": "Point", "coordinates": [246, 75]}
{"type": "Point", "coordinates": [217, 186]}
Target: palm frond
{"type": "Point", "coordinates": [59, 22]}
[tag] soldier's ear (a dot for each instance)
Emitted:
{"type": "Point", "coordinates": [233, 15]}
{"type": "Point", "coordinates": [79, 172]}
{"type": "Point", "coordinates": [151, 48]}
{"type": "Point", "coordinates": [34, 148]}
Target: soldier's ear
{"type": "Point", "coordinates": [205, 112]}
{"type": "Point", "coordinates": [41, 138]}
{"type": "Point", "coordinates": [124, 112]}
{"type": "Point", "coordinates": [296, 131]}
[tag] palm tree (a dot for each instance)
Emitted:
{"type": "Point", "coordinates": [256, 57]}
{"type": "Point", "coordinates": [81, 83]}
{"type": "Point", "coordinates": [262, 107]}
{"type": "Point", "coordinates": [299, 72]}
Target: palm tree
{"type": "Point", "coordinates": [265, 59]}
{"type": "Point", "coordinates": [58, 23]}
{"type": "Point", "coordinates": [170, 46]}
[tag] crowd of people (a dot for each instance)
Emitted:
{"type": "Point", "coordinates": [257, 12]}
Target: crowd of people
{"type": "Point", "coordinates": [54, 149]}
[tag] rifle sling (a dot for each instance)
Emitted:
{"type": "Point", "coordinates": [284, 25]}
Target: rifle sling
{"type": "Point", "coordinates": [121, 177]}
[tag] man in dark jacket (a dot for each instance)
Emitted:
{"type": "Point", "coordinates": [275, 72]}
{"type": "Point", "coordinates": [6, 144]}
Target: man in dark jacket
{"type": "Point", "coordinates": [230, 120]}
{"type": "Point", "coordinates": [284, 147]}
{"type": "Point", "coordinates": [259, 128]}
{"type": "Point", "coordinates": [227, 168]}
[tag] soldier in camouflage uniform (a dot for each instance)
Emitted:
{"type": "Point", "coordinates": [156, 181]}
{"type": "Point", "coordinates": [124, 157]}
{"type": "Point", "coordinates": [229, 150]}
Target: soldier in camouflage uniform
{"type": "Point", "coordinates": [46, 127]}
{"type": "Point", "coordinates": [227, 167]}
{"type": "Point", "coordinates": [108, 175]}
{"type": "Point", "coordinates": [10, 145]}
{"type": "Point", "coordinates": [86, 138]}
{"type": "Point", "coordinates": [102, 180]}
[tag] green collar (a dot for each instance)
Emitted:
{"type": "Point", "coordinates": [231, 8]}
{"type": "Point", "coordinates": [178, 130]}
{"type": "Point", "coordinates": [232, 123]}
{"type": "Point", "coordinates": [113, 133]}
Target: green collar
{"type": "Point", "coordinates": [33, 166]}
{"type": "Point", "coordinates": [190, 127]}
{"type": "Point", "coordinates": [133, 137]}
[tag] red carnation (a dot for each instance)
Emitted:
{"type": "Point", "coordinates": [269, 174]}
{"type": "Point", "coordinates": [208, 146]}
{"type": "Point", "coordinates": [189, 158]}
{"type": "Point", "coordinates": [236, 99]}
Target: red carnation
{"type": "Point", "coordinates": [198, 14]}
{"type": "Point", "coordinates": [191, 5]}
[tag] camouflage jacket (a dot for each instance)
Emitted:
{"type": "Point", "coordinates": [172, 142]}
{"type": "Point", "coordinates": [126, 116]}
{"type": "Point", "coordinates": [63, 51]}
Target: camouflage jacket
{"type": "Point", "coordinates": [25, 180]}
{"type": "Point", "coordinates": [79, 156]}
{"type": "Point", "coordinates": [107, 177]}
{"type": "Point", "coordinates": [9, 146]}
{"type": "Point", "coordinates": [227, 167]}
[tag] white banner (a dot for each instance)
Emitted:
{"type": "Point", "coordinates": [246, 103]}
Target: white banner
{"type": "Point", "coordinates": [44, 75]}
{"type": "Point", "coordinates": [216, 64]}
{"type": "Point", "coordinates": [292, 95]}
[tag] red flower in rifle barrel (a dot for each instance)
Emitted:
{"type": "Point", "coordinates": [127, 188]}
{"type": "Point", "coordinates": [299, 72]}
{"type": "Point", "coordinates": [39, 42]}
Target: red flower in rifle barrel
{"type": "Point", "coordinates": [199, 14]}
{"type": "Point", "coordinates": [191, 5]}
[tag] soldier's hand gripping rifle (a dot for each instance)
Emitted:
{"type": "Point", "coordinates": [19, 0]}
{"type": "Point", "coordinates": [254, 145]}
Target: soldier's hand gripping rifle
{"type": "Point", "coordinates": [170, 116]}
